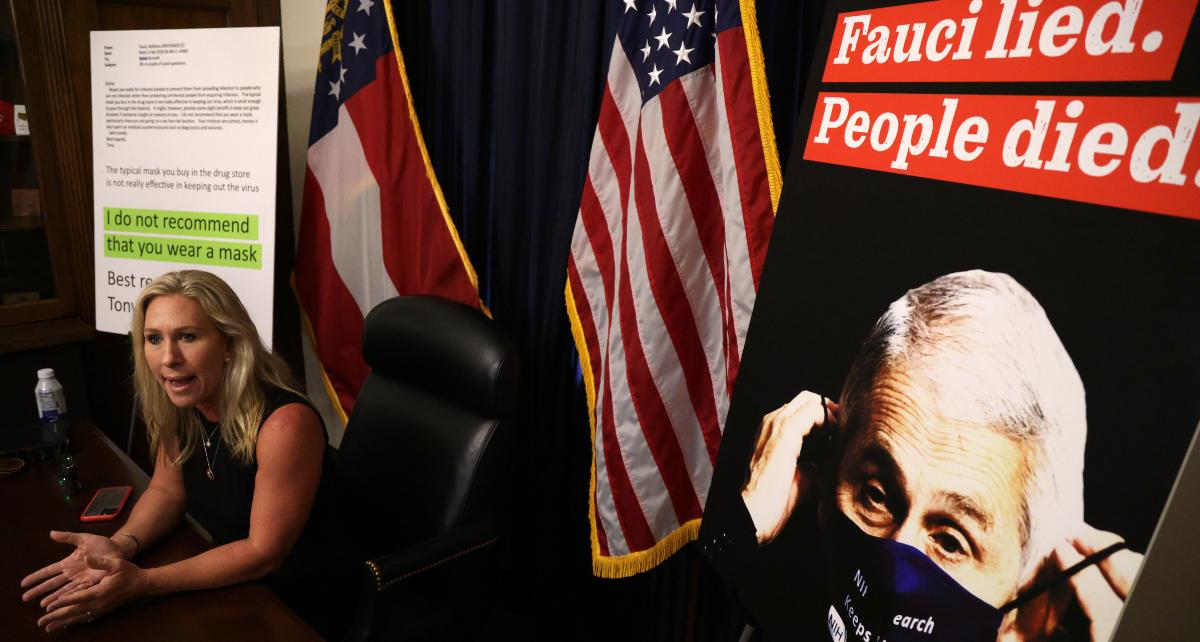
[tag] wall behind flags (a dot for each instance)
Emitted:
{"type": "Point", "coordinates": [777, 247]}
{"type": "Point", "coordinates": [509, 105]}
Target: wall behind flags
{"type": "Point", "coordinates": [508, 101]}
{"type": "Point", "coordinates": [301, 24]}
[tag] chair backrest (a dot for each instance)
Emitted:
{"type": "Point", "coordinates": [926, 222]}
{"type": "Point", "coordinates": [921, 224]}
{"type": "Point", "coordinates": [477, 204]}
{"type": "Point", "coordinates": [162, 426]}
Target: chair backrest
{"type": "Point", "coordinates": [425, 447]}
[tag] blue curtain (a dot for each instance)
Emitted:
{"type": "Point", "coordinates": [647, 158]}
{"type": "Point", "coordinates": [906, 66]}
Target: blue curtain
{"type": "Point", "coordinates": [507, 94]}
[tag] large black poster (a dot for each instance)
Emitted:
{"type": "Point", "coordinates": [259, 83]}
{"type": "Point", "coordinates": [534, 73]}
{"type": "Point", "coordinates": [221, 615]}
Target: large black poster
{"type": "Point", "coordinates": [971, 375]}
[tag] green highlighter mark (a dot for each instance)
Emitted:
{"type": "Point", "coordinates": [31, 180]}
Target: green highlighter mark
{"type": "Point", "coordinates": [172, 250]}
{"type": "Point", "coordinates": [179, 223]}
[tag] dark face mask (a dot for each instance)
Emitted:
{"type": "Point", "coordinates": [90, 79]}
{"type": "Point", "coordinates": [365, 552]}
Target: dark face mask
{"type": "Point", "coordinates": [885, 591]}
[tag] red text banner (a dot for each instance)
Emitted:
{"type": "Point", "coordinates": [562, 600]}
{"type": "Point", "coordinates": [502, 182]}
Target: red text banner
{"type": "Point", "coordinates": [1010, 40]}
{"type": "Point", "coordinates": [1131, 152]}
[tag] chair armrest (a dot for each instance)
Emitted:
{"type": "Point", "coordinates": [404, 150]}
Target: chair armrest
{"type": "Point", "coordinates": [399, 565]}
{"type": "Point", "coordinates": [398, 592]}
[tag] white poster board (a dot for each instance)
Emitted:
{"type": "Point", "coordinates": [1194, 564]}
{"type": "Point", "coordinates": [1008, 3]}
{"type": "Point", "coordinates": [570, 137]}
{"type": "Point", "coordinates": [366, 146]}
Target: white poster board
{"type": "Point", "coordinates": [184, 126]}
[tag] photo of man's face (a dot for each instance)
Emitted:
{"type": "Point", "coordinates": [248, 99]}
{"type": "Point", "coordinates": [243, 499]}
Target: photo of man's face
{"type": "Point", "coordinates": [964, 423]}
{"type": "Point", "coordinates": [960, 434]}
{"type": "Point", "coordinates": [940, 485]}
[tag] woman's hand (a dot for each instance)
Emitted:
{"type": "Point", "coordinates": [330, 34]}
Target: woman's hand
{"type": "Point", "coordinates": [122, 581]}
{"type": "Point", "coordinates": [776, 483]}
{"type": "Point", "coordinates": [1103, 588]}
{"type": "Point", "coordinates": [71, 572]}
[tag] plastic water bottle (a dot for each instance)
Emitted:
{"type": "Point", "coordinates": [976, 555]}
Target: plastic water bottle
{"type": "Point", "coordinates": [51, 403]}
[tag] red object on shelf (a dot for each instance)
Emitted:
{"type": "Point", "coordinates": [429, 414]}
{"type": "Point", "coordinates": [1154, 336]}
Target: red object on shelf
{"type": "Point", "coordinates": [7, 124]}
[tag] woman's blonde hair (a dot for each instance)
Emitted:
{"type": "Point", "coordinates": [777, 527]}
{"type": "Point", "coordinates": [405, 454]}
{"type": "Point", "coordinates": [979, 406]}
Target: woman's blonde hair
{"type": "Point", "coordinates": [249, 370]}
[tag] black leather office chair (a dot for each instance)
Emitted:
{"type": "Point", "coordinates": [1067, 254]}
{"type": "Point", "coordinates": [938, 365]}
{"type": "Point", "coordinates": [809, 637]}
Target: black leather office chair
{"type": "Point", "coordinates": [425, 459]}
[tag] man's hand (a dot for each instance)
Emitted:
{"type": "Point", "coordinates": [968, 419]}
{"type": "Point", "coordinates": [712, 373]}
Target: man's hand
{"type": "Point", "coordinates": [71, 572]}
{"type": "Point", "coordinates": [1101, 589]}
{"type": "Point", "coordinates": [776, 484]}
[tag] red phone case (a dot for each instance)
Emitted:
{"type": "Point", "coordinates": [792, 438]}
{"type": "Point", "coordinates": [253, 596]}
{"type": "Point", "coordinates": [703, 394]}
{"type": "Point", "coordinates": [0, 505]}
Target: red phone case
{"type": "Point", "coordinates": [84, 517]}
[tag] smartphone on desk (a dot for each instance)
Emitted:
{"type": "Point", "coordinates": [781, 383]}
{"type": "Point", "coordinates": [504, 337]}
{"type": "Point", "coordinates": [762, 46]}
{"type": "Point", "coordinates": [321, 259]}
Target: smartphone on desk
{"type": "Point", "coordinates": [106, 504]}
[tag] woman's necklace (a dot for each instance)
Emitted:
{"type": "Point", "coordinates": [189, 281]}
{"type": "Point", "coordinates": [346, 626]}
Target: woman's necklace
{"type": "Point", "coordinates": [209, 462]}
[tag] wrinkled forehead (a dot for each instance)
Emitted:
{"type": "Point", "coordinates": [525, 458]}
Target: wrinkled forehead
{"type": "Point", "coordinates": [939, 386]}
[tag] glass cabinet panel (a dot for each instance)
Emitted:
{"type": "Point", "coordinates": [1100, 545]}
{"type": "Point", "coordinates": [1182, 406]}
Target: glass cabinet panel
{"type": "Point", "coordinates": [26, 270]}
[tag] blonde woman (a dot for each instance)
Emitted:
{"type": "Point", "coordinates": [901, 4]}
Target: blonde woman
{"type": "Point", "coordinates": [236, 446]}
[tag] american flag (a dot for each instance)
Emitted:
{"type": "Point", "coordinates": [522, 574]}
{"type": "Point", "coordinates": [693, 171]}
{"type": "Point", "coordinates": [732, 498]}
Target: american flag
{"type": "Point", "coordinates": [374, 223]}
{"type": "Point", "coordinates": [665, 259]}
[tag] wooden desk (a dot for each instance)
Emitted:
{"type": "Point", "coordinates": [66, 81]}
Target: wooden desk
{"type": "Point", "coordinates": [31, 505]}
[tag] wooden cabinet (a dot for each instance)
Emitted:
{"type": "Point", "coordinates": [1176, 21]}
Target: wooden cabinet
{"type": "Point", "coordinates": [44, 222]}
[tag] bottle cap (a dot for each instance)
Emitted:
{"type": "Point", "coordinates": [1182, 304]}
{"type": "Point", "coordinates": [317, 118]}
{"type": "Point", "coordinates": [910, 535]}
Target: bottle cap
{"type": "Point", "coordinates": [46, 373]}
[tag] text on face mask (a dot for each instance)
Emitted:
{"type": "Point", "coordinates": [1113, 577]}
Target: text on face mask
{"type": "Point", "coordinates": [908, 622]}
{"type": "Point", "coordinates": [859, 626]}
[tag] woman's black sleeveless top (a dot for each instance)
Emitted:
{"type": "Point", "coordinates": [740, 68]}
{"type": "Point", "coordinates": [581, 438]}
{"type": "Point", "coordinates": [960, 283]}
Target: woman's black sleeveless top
{"type": "Point", "coordinates": [222, 506]}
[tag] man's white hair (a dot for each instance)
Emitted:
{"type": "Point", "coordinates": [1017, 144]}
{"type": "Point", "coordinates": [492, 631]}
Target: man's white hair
{"type": "Point", "coordinates": [992, 359]}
